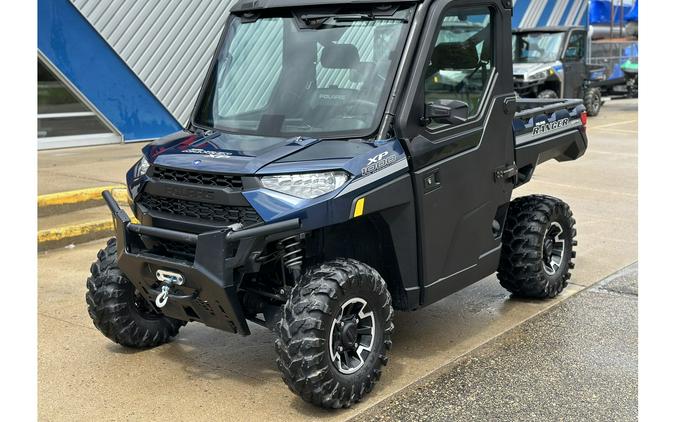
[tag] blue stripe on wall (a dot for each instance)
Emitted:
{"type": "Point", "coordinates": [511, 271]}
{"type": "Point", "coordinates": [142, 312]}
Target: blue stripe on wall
{"type": "Point", "coordinates": [82, 56]}
{"type": "Point", "coordinates": [519, 10]}
{"type": "Point", "coordinates": [580, 19]}
{"type": "Point", "coordinates": [566, 12]}
{"type": "Point", "coordinates": [543, 19]}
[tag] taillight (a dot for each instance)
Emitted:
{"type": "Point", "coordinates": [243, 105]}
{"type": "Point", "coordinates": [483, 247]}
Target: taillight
{"type": "Point", "coordinates": [584, 118]}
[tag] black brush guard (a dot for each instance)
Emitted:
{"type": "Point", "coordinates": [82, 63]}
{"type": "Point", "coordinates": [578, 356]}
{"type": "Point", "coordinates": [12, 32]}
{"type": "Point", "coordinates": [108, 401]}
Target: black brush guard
{"type": "Point", "coordinates": [208, 294]}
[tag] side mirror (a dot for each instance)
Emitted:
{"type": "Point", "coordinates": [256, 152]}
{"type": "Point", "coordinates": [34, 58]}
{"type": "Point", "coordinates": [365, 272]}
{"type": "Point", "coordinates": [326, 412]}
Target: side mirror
{"type": "Point", "coordinates": [452, 112]}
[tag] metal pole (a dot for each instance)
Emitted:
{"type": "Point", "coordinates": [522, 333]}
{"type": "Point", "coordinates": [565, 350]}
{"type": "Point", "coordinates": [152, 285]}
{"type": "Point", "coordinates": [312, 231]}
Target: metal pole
{"type": "Point", "coordinates": [588, 31]}
{"type": "Point", "coordinates": [611, 20]}
{"type": "Point", "coordinates": [621, 20]}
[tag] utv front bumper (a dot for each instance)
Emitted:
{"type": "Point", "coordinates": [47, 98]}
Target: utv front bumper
{"type": "Point", "coordinates": [208, 293]}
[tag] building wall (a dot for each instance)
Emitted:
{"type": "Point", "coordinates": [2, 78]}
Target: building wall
{"type": "Point", "coordinates": [168, 47]}
{"type": "Point", "coordinates": [82, 58]}
{"type": "Point", "coordinates": [145, 60]}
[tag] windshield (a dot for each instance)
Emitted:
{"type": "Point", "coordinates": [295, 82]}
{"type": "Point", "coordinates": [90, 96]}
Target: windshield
{"type": "Point", "coordinates": [314, 75]}
{"type": "Point", "coordinates": [536, 47]}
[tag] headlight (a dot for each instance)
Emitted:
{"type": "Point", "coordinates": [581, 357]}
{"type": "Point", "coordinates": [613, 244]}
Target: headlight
{"type": "Point", "coordinates": [306, 185]}
{"type": "Point", "coordinates": [142, 167]}
{"type": "Point", "coordinates": [539, 75]}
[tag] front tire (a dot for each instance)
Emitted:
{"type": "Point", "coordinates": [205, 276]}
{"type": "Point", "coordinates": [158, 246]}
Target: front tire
{"type": "Point", "coordinates": [118, 311]}
{"type": "Point", "coordinates": [334, 333]}
{"type": "Point", "coordinates": [593, 101]}
{"type": "Point", "coordinates": [537, 247]}
{"type": "Point", "coordinates": [547, 93]}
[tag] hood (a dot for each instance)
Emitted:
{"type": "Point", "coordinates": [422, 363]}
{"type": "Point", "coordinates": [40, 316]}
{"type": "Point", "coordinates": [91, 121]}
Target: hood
{"type": "Point", "coordinates": [247, 155]}
{"type": "Point", "coordinates": [524, 70]}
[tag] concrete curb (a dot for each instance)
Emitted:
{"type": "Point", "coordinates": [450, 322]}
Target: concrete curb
{"type": "Point", "coordinates": [63, 202]}
{"type": "Point", "coordinates": [77, 233]}
{"type": "Point", "coordinates": [80, 195]}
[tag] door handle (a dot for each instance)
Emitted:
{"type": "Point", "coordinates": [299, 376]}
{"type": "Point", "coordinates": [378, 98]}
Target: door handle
{"type": "Point", "coordinates": [432, 181]}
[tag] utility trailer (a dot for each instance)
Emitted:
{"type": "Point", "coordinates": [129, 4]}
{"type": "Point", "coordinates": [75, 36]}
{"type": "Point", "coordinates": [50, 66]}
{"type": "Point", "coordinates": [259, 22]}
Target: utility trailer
{"type": "Point", "coordinates": [343, 160]}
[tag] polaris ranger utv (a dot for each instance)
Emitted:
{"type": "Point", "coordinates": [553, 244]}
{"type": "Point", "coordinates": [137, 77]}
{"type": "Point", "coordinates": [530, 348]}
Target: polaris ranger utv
{"type": "Point", "coordinates": [343, 160]}
{"type": "Point", "coordinates": [551, 62]}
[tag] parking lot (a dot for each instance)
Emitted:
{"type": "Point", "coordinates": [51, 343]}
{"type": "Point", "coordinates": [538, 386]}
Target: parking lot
{"type": "Point", "coordinates": [205, 374]}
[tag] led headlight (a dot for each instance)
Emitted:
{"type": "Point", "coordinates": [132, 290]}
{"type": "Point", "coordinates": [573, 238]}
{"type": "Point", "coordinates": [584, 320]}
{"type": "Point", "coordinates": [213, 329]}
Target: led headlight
{"type": "Point", "coordinates": [142, 167]}
{"type": "Point", "coordinates": [306, 185]}
{"type": "Point", "coordinates": [539, 75]}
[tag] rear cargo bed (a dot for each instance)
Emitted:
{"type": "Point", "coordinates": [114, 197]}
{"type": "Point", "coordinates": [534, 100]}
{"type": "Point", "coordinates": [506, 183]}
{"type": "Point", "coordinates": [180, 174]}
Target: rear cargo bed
{"type": "Point", "coordinates": [547, 129]}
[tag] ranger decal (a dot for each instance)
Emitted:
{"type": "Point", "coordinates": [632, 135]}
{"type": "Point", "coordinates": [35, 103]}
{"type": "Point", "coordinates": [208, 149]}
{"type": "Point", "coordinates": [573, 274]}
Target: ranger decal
{"type": "Point", "coordinates": [544, 127]}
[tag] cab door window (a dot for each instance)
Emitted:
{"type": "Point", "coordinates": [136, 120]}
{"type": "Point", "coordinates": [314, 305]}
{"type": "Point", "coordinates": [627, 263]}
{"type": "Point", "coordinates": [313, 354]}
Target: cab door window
{"type": "Point", "coordinates": [462, 59]}
{"type": "Point", "coordinates": [576, 47]}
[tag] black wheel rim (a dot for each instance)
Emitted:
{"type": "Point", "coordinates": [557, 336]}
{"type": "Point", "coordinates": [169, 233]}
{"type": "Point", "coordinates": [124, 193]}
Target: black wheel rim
{"type": "Point", "coordinates": [553, 249]}
{"type": "Point", "coordinates": [352, 335]}
{"type": "Point", "coordinates": [596, 103]}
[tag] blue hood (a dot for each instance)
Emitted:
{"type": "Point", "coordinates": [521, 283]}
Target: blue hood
{"type": "Point", "coordinates": [248, 155]}
{"type": "Point", "coordinates": [221, 152]}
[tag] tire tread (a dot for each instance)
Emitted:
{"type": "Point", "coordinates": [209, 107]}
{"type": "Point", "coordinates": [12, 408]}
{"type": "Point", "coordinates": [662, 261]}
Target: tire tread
{"type": "Point", "coordinates": [301, 332]}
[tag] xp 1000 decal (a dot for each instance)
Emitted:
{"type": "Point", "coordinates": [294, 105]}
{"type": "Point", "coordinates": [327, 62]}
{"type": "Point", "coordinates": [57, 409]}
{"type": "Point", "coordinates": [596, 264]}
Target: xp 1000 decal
{"type": "Point", "coordinates": [378, 162]}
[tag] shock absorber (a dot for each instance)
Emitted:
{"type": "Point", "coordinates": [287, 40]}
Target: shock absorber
{"type": "Point", "coordinates": [292, 253]}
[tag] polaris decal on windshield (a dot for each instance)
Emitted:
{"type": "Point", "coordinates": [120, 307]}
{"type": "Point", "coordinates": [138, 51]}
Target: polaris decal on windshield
{"type": "Point", "coordinates": [544, 127]}
{"type": "Point", "coordinates": [378, 162]}
{"type": "Point", "coordinates": [212, 154]}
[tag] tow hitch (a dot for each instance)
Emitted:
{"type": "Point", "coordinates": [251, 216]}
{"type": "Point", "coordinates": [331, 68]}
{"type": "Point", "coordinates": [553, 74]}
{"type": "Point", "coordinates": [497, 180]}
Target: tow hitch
{"type": "Point", "coordinates": [168, 279]}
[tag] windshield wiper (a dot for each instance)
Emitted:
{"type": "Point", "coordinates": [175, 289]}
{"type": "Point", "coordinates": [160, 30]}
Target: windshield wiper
{"type": "Point", "coordinates": [341, 17]}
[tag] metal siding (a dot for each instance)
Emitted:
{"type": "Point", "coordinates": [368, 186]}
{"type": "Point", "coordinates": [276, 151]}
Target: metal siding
{"type": "Point", "coordinates": [574, 12]}
{"type": "Point", "coordinates": [519, 9]}
{"type": "Point", "coordinates": [80, 55]}
{"type": "Point", "coordinates": [532, 13]}
{"type": "Point", "coordinates": [168, 44]}
{"type": "Point", "coordinates": [546, 12]}
{"type": "Point", "coordinates": [554, 18]}
{"type": "Point", "coordinates": [581, 16]}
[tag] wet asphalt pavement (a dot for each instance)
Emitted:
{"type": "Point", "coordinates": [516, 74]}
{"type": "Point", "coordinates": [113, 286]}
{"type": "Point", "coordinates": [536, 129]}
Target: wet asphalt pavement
{"type": "Point", "coordinates": [578, 361]}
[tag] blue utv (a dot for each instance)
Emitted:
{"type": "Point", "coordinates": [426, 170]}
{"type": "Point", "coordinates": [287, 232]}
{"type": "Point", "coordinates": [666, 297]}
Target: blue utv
{"type": "Point", "coordinates": [344, 159]}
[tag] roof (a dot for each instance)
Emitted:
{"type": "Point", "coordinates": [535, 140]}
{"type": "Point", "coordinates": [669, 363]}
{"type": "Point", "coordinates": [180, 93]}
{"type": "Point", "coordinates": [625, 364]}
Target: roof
{"type": "Point", "coordinates": [252, 5]}
{"type": "Point", "coordinates": [549, 29]}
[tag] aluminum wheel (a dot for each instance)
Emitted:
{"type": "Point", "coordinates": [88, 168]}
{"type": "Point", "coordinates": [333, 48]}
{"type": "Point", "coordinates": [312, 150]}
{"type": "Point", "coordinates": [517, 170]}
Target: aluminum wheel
{"type": "Point", "coordinates": [553, 249]}
{"type": "Point", "coordinates": [352, 335]}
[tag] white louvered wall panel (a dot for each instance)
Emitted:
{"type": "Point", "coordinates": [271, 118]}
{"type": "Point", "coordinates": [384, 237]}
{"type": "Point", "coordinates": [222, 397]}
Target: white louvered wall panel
{"type": "Point", "coordinates": [167, 43]}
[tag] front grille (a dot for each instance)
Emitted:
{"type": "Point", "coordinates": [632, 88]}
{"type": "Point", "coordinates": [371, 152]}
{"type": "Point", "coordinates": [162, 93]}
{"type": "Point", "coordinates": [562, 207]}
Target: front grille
{"type": "Point", "coordinates": [177, 248]}
{"type": "Point", "coordinates": [197, 178]}
{"type": "Point", "coordinates": [215, 213]}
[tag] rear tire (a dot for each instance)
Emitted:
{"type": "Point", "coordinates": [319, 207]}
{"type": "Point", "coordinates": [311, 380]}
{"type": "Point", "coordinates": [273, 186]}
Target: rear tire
{"type": "Point", "coordinates": [336, 312]}
{"type": "Point", "coordinates": [118, 312]}
{"type": "Point", "coordinates": [537, 247]}
{"type": "Point", "coordinates": [593, 101]}
{"type": "Point", "coordinates": [547, 93]}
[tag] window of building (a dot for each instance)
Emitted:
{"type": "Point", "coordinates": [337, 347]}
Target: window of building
{"type": "Point", "coordinates": [62, 115]}
{"type": "Point", "coordinates": [462, 59]}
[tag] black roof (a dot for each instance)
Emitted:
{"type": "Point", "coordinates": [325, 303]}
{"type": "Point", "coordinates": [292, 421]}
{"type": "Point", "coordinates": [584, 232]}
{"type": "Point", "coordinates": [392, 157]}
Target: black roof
{"type": "Point", "coordinates": [549, 29]}
{"type": "Point", "coordinates": [252, 5]}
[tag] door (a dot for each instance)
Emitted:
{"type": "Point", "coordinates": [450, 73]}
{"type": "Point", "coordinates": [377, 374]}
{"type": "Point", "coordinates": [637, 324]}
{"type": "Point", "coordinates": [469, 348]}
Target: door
{"type": "Point", "coordinates": [574, 63]}
{"type": "Point", "coordinates": [464, 56]}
